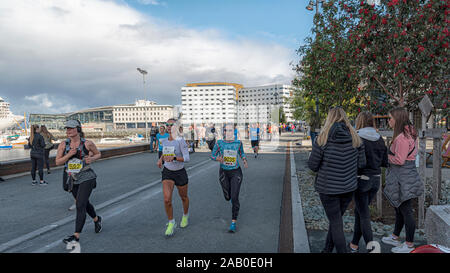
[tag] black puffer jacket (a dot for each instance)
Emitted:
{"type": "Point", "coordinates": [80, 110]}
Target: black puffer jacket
{"type": "Point", "coordinates": [337, 162]}
{"type": "Point", "coordinates": [376, 152]}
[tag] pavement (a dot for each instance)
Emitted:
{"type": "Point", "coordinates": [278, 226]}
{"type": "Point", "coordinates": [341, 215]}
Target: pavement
{"type": "Point", "coordinates": [129, 198]}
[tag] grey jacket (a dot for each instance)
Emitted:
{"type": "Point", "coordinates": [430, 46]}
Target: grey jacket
{"type": "Point", "coordinates": [402, 183]}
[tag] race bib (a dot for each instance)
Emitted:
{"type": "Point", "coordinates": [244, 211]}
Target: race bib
{"type": "Point", "coordinates": [229, 157]}
{"type": "Point", "coordinates": [75, 165]}
{"type": "Point", "coordinates": [169, 151]}
{"type": "Point", "coordinates": [254, 135]}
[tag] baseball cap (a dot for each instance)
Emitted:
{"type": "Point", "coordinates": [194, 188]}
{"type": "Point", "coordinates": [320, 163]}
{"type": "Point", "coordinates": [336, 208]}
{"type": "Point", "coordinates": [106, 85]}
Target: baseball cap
{"type": "Point", "coordinates": [72, 124]}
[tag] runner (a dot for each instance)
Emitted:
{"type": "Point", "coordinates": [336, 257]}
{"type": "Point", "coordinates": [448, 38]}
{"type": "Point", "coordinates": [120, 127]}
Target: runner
{"type": "Point", "coordinates": [162, 135]}
{"type": "Point", "coordinates": [175, 153]}
{"type": "Point", "coordinates": [230, 173]}
{"type": "Point", "coordinates": [254, 138]}
{"type": "Point", "coordinates": [77, 153]}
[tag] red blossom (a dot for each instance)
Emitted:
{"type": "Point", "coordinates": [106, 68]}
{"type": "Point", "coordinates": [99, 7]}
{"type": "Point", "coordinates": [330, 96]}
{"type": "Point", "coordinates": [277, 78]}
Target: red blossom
{"type": "Point", "coordinates": [384, 21]}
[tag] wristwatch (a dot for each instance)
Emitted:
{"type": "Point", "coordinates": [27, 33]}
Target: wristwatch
{"type": "Point", "coordinates": [174, 158]}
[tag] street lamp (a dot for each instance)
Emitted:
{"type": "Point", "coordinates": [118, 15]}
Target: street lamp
{"type": "Point", "coordinates": [221, 101]}
{"type": "Point", "coordinates": [143, 72]}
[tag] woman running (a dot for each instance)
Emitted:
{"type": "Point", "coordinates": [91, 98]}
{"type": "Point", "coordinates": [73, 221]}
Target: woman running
{"type": "Point", "coordinates": [174, 154]}
{"type": "Point", "coordinates": [230, 174]}
{"type": "Point", "coordinates": [76, 153]}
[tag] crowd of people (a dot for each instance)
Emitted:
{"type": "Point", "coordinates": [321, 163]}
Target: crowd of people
{"type": "Point", "coordinates": [347, 161]}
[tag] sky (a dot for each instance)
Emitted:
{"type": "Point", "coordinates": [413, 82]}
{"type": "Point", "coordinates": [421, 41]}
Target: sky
{"type": "Point", "coordinates": [59, 56]}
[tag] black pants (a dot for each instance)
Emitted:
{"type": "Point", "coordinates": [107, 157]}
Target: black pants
{"type": "Point", "coordinates": [404, 217]}
{"type": "Point", "coordinates": [366, 192]}
{"type": "Point", "coordinates": [81, 193]}
{"type": "Point", "coordinates": [37, 162]}
{"type": "Point", "coordinates": [46, 160]}
{"type": "Point", "coordinates": [335, 206]}
{"type": "Point", "coordinates": [231, 185]}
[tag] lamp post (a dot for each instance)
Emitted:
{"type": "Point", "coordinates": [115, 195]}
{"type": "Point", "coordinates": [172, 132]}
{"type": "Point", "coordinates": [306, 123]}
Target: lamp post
{"type": "Point", "coordinates": [221, 108]}
{"type": "Point", "coordinates": [143, 72]}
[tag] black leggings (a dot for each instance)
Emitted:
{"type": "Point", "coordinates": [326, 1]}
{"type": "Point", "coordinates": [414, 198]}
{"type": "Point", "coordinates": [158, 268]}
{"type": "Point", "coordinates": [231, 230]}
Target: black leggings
{"type": "Point", "coordinates": [404, 217]}
{"type": "Point", "coordinates": [335, 206]}
{"type": "Point", "coordinates": [37, 162]}
{"type": "Point", "coordinates": [231, 180]}
{"type": "Point", "coordinates": [81, 193]}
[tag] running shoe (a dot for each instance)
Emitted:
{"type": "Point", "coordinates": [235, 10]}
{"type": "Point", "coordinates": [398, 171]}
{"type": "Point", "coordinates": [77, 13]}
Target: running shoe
{"type": "Point", "coordinates": [98, 224]}
{"type": "Point", "coordinates": [43, 183]}
{"type": "Point", "coordinates": [34, 183]}
{"type": "Point", "coordinates": [184, 221]}
{"type": "Point", "coordinates": [403, 248]}
{"type": "Point", "coordinates": [170, 228]}
{"type": "Point", "coordinates": [71, 239]}
{"type": "Point", "coordinates": [352, 250]}
{"type": "Point", "coordinates": [74, 206]}
{"type": "Point", "coordinates": [232, 227]}
{"type": "Point", "coordinates": [390, 240]}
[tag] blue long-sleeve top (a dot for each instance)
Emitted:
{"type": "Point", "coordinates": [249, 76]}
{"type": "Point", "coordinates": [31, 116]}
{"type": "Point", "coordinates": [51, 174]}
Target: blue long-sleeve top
{"type": "Point", "coordinates": [229, 151]}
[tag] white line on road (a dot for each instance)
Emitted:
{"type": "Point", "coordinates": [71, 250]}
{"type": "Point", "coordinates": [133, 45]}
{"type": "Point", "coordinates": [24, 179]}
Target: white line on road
{"type": "Point", "coordinates": [68, 219]}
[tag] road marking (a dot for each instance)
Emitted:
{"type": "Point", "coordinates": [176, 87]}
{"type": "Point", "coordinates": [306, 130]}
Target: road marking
{"type": "Point", "coordinates": [47, 228]}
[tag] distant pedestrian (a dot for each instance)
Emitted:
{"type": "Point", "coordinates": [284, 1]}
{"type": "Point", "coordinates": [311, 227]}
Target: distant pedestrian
{"type": "Point", "coordinates": [314, 124]}
{"type": "Point", "coordinates": [336, 156]}
{"type": "Point", "coordinates": [37, 145]}
{"type": "Point", "coordinates": [255, 138]}
{"type": "Point", "coordinates": [153, 132]}
{"type": "Point", "coordinates": [403, 183]}
{"type": "Point", "coordinates": [368, 177]}
{"type": "Point", "coordinates": [48, 138]}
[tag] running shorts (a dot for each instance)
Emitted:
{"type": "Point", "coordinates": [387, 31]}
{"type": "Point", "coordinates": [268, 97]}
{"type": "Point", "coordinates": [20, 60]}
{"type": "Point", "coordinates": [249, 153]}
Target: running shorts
{"type": "Point", "coordinates": [180, 177]}
{"type": "Point", "coordinates": [255, 143]}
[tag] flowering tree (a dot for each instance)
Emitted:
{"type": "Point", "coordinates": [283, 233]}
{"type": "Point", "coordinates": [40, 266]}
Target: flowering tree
{"type": "Point", "coordinates": [402, 49]}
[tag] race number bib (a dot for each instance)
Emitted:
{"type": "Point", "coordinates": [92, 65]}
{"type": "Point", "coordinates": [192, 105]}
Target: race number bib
{"type": "Point", "coordinates": [254, 135]}
{"type": "Point", "coordinates": [75, 165]}
{"type": "Point", "coordinates": [229, 157]}
{"type": "Point", "coordinates": [169, 151]}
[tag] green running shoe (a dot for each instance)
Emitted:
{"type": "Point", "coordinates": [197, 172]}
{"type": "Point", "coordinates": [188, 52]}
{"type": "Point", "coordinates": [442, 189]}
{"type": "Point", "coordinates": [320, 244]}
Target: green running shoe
{"type": "Point", "coordinates": [170, 228]}
{"type": "Point", "coordinates": [184, 221]}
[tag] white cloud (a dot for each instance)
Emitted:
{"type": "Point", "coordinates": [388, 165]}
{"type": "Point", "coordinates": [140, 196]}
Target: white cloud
{"type": "Point", "coordinates": [87, 52]}
{"type": "Point", "coordinates": [151, 2]}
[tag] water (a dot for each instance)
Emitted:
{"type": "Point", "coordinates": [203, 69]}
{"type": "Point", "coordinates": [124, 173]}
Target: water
{"type": "Point", "coordinates": [16, 154]}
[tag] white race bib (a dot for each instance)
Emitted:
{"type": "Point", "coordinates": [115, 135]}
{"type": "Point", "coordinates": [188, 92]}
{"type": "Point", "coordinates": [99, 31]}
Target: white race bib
{"type": "Point", "coordinates": [75, 165]}
{"type": "Point", "coordinates": [229, 157]}
{"type": "Point", "coordinates": [169, 151]}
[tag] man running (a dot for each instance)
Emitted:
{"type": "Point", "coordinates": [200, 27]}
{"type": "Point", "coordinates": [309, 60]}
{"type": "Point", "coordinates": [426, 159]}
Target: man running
{"type": "Point", "coordinates": [230, 173]}
{"type": "Point", "coordinates": [76, 153]}
{"type": "Point", "coordinates": [174, 154]}
{"type": "Point", "coordinates": [254, 138]}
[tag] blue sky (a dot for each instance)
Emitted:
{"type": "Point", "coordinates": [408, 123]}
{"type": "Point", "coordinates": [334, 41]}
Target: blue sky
{"type": "Point", "coordinates": [286, 22]}
{"type": "Point", "coordinates": [59, 56]}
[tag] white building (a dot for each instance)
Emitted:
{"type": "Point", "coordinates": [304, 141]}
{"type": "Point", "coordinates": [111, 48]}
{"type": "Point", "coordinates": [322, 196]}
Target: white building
{"type": "Point", "coordinates": [257, 104]}
{"type": "Point", "coordinates": [221, 102]}
{"type": "Point", "coordinates": [130, 116]}
{"type": "Point", "coordinates": [213, 102]}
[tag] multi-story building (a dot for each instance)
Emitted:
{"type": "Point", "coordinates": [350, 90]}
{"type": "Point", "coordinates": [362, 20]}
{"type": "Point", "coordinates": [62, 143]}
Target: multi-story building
{"type": "Point", "coordinates": [213, 102]}
{"type": "Point", "coordinates": [222, 102]}
{"type": "Point", "coordinates": [131, 116]}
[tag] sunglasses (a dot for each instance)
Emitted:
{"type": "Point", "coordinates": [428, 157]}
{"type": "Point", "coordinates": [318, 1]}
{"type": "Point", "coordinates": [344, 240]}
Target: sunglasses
{"type": "Point", "coordinates": [170, 124]}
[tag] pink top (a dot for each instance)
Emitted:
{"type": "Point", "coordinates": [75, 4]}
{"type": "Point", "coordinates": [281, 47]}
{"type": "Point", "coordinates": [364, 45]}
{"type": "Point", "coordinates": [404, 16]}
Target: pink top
{"type": "Point", "coordinates": [401, 147]}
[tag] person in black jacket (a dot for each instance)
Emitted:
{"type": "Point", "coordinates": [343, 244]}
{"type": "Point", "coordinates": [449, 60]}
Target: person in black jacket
{"type": "Point", "coordinates": [37, 144]}
{"type": "Point", "coordinates": [368, 177]}
{"type": "Point", "coordinates": [336, 155]}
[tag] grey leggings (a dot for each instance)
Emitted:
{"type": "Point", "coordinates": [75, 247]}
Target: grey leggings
{"type": "Point", "coordinates": [81, 193]}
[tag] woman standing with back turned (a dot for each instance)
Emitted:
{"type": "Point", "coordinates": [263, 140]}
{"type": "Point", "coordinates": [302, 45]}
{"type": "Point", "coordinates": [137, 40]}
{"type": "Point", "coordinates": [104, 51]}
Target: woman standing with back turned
{"type": "Point", "coordinates": [37, 144]}
{"type": "Point", "coordinates": [336, 156]}
{"type": "Point", "coordinates": [48, 137]}
{"type": "Point", "coordinates": [402, 179]}
{"type": "Point", "coordinates": [368, 177]}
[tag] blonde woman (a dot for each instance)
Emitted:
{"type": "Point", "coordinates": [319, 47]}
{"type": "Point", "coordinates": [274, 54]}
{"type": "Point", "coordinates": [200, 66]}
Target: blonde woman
{"type": "Point", "coordinates": [336, 156]}
{"type": "Point", "coordinates": [37, 144]}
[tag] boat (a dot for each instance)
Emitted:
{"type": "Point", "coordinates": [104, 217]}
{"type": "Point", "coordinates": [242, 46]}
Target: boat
{"type": "Point", "coordinates": [5, 147]}
{"type": "Point", "coordinates": [7, 118]}
{"type": "Point", "coordinates": [111, 140]}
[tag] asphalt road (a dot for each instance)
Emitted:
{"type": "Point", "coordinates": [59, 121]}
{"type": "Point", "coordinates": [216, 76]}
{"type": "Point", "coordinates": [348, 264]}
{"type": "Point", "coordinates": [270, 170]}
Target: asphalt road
{"type": "Point", "coordinates": [129, 198]}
